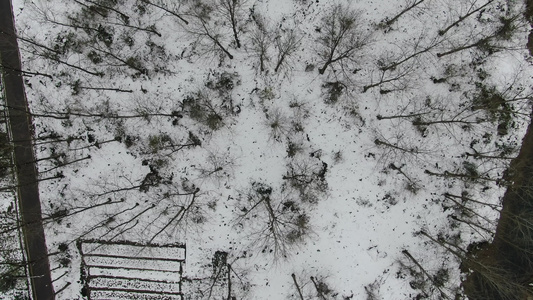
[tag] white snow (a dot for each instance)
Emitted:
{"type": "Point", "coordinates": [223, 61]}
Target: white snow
{"type": "Point", "coordinates": [370, 211]}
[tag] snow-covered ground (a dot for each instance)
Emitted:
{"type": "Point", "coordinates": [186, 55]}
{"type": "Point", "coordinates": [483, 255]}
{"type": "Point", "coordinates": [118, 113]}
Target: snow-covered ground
{"type": "Point", "coordinates": [265, 166]}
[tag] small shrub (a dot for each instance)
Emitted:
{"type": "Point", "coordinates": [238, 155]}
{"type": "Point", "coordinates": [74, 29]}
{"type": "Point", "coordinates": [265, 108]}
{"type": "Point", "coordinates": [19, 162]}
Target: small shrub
{"type": "Point", "coordinates": [158, 142]}
{"type": "Point", "coordinates": [64, 262]}
{"type": "Point", "coordinates": [219, 260]}
{"type": "Point", "coordinates": [506, 149]}
{"type": "Point", "coordinates": [278, 124]}
{"type": "Point", "coordinates": [297, 126]}
{"type": "Point", "coordinates": [363, 202]}
{"type": "Point", "coordinates": [63, 247]}
{"type": "Point", "coordinates": [93, 11]}
{"type": "Point", "coordinates": [337, 156]}
{"type": "Point", "coordinates": [290, 205]}
{"type": "Point", "coordinates": [128, 40]}
{"type": "Point", "coordinates": [417, 284]}
{"type": "Point", "coordinates": [150, 180]}
{"type": "Point", "coordinates": [68, 42]}
{"type": "Point", "coordinates": [412, 187]}
{"type": "Point", "coordinates": [302, 221]}
{"type": "Point", "coordinates": [267, 94]}
{"type": "Point", "coordinates": [482, 74]}
{"type": "Point", "coordinates": [193, 139]}
{"type": "Point", "coordinates": [332, 91]}
{"type": "Point", "coordinates": [307, 177]}
{"type": "Point", "coordinates": [194, 108]}
{"type": "Point", "coordinates": [214, 121]}
{"type": "Point", "coordinates": [293, 149]}
{"type": "Point", "coordinates": [140, 8]}
{"type": "Point", "coordinates": [262, 189]}
{"type": "Point", "coordinates": [8, 281]}
{"type": "Point", "coordinates": [418, 122]}
{"type": "Point", "coordinates": [438, 80]}
{"type": "Point", "coordinates": [487, 98]}
{"type": "Point", "coordinates": [135, 63]}
{"type": "Point", "coordinates": [200, 108]}
{"type": "Point", "coordinates": [372, 290]}
{"type": "Point", "coordinates": [5, 154]}
{"type": "Point", "coordinates": [59, 214]}
{"type": "Point", "coordinates": [75, 87]}
{"type": "Point", "coordinates": [105, 35]}
{"type": "Point", "coordinates": [390, 199]}
{"type": "Point", "coordinates": [507, 28]}
{"type": "Point", "coordinates": [197, 216]}
{"type": "Point", "coordinates": [94, 57]}
{"type": "Point", "coordinates": [441, 277]}
{"type": "Point", "coordinates": [20, 295]}
{"type": "Point", "coordinates": [322, 287]}
{"type": "Point", "coordinates": [297, 234]}
{"type": "Point", "coordinates": [224, 82]}
{"type": "Point", "coordinates": [156, 50]}
{"type": "Point", "coordinates": [470, 169]}
{"type": "Point", "coordinates": [129, 141]}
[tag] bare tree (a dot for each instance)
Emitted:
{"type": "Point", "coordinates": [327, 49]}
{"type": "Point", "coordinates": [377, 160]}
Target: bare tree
{"type": "Point", "coordinates": [396, 147]}
{"type": "Point", "coordinates": [437, 280]}
{"type": "Point", "coordinates": [391, 79]}
{"type": "Point", "coordinates": [490, 41]}
{"type": "Point", "coordinates": [223, 278]}
{"type": "Point", "coordinates": [27, 73]}
{"type": "Point", "coordinates": [297, 286]}
{"type": "Point", "coordinates": [232, 11]}
{"type": "Point", "coordinates": [341, 36]}
{"type": "Point", "coordinates": [133, 62]}
{"type": "Point", "coordinates": [471, 10]}
{"type": "Point", "coordinates": [65, 44]}
{"type": "Point", "coordinates": [169, 208]}
{"type": "Point", "coordinates": [94, 43]}
{"type": "Point", "coordinates": [409, 5]}
{"type": "Point", "coordinates": [307, 176]}
{"type": "Point", "coordinates": [273, 220]}
{"type": "Point", "coordinates": [462, 118]}
{"type": "Point", "coordinates": [164, 143]}
{"type": "Point", "coordinates": [103, 8]}
{"type": "Point", "coordinates": [218, 166]}
{"type": "Point", "coordinates": [205, 108]}
{"type": "Point", "coordinates": [164, 7]}
{"type": "Point", "coordinates": [403, 146]}
{"type": "Point", "coordinates": [91, 17]}
{"type": "Point", "coordinates": [261, 40]}
{"type": "Point", "coordinates": [208, 36]}
{"type": "Point", "coordinates": [312, 287]}
{"type": "Point", "coordinates": [286, 44]}
{"type": "Point", "coordinates": [181, 214]}
{"type": "Point", "coordinates": [419, 46]}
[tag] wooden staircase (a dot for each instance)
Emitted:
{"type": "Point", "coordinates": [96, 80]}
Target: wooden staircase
{"type": "Point", "coordinates": [126, 270]}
